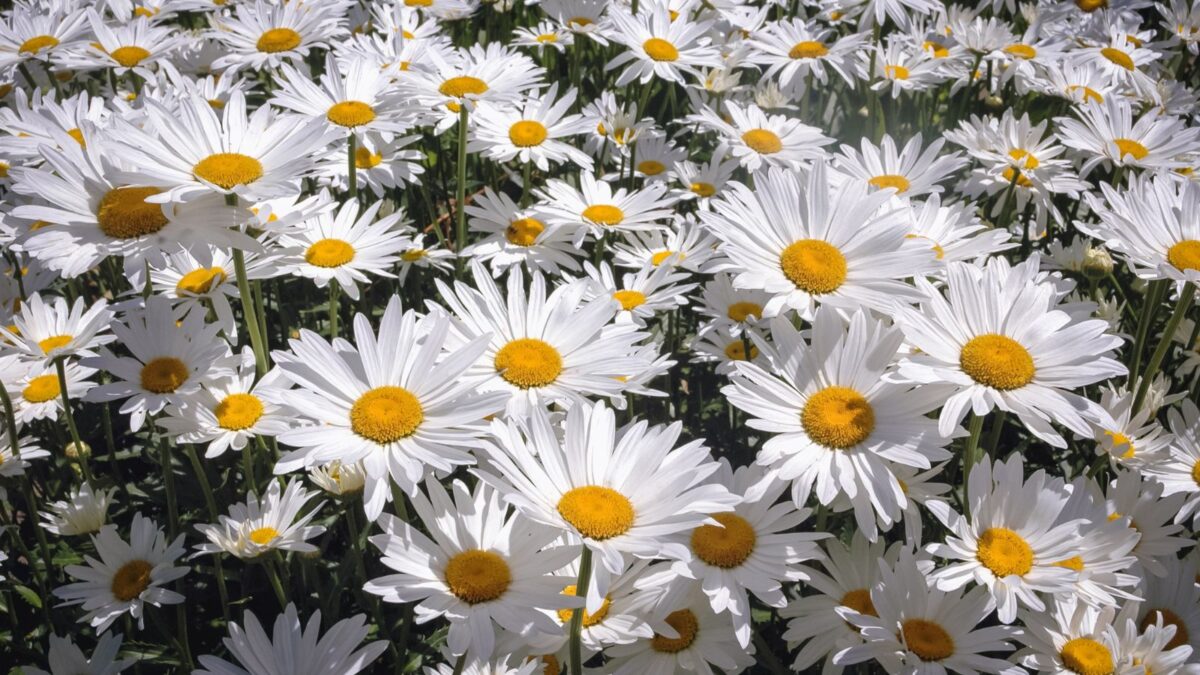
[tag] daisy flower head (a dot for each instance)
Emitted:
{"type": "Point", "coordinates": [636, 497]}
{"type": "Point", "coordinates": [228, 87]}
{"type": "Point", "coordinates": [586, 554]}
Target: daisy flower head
{"type": "Point", "coordinates": [353, 97]}
{"type": "Point", "coordinates": [658, 44]}
{"type": "Point", "coordinates": [168, 361]}
{"type": "Point", "coordinates": [402, 401]}
{"type": "Point", "coordinates": [34, 31]}
{"type": "Point", "coordinates": [910, 172]}
{"type": "Point", "coordinates": [1123, 59]}
{"type": "Point", "coordinates": [580, 17]}
{"type": "Point", "coordinates": [618, 490]}
{"type": "Point", "coordinates": [1108, 133]}
{"type": "Point", "coordinates": [595, 207]}
{"type": "Point", "coordinates": [1130, 438]}
{"type": "Point", "coordinates": [1002, 340]}
{"type": "Point", "coordinates": [1013, 542]}
{"type": "Point", "coordinates": [754, 549]}
{"type": "Point", "coordinates": [125, 576]}
{"type": "Point", "coordinates": [685, 246]}
{"type": "Point", "coordinates": [1103, 547]}
{"type": "Point", "coordinates": [624, 615]}
{"type": "Point", "coordinates": [1179, 470]}
{"type": "Point", "coordinates": [1073, 637]}
{"type": "Point", "coordinates": [231, 411]}
{"type": "Point", "coordinates": [84, 511]}
{"type": "Point", "coordinates": [807, 242]}
{"type": "Point", "coordinates": [544, 34]}
{"type": "Point", "coordinates": [756, 139]}
{"type": "Point", "coordinates": [347, 246]}
{"type": "Point", "coordinates": [545, 347]}
{"type": "Point", "coordinates": [731, 306]}
{"type": "Point", "coordinates": [380, 164]}
{"type": "Point", "coordinates": [135, 46]}
{"type": "Point", "coordinates": [264, 524]}
{"type": "Point", "coordinates": [295, 648]}
{"type": "Point", "coordinates": [65, 658]}
{"type": "Point", "coordinates": [657, 157]}
{"type": "Point", "coordinates": [642, 294]}
{"type": "Point", "coordinates": [266, 34]}
{"type": "Point", "coordinates": [14, 464]}
{"type": "Point", "coordinates": [899, 67]}
{"type": "Point", "coordinates": [200, 279]}
{"type": "Point", "coordinates": [1174, 599]}
{"type": "Point", "coordinates": [533, 132]}
{"type": "Point", "coordinates": [839, 422]}
{"type": "Point", "coordinates": [491, 75]}
{"type": "Point", "coordinates": [702, 182]}
{"type": "Point", "coordinates": [691, 639]}
{"type": "Point", "coordinates": [481, 566]}
{"type": "Point", "coordinates": [793, 49]}
{"type": "Point", "coordinates": [514, 236]}
{"type": "Point", "coordinates": [1149, 225]}
{"type": "Point", "coordinates": [38, 394]}
{"type": "Point", "coordinates": [51, 330]}
{"type": "Point", "coordinates": [954, 232]}
{"type": "Point", "coordinates": [1138, 504]}
{"type": "Point", "coordinates": [920, 628]}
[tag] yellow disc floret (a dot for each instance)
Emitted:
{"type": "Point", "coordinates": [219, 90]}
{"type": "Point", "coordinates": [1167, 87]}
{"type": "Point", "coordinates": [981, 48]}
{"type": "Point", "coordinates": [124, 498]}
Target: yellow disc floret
{"type": "Point", "coordinates": [596, 511]}
{"type": "Point", "coordinates": [725, 546]}
{"type": "Point", "coordinates": [236, 412]}
{"type": "Point", "coordinates": [163, 375]}
{"type": "Point", "coordinates": [529, 362]}
{"type": "Point", "coordinates": [1087, 657]}
{"type": "Point", "coordinates": [131, 580]}
{"type": "Point", "coordinates": [350, 114]}
{"type": "Point", "coordinates": [386, 414]}
{"type": "Point", "coordinates": [476, 576]}
{"type": "Point", "coordinates": [685, 624]}
{"type": "Point", "coordinates": [228, 169]}
{"type": "Point", "coordinates": [815, 266]}
{"type": "Point", "coordinates": [927, 639]}
{"type": "Point", "coordinates": [124, 213]}
{"type": "Point", "coordinates": [997, 361]}
{"type": "Point", "coordinates": [838, 417]}
{"type": "Point", "coordinates": [1004, 552]}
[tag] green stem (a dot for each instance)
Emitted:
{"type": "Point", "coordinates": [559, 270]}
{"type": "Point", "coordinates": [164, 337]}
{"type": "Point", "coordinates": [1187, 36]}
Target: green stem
{"type": "Point", "coordinates": [206, 488]}
{"type": "Point", "coordinates": [970, 458]}
{"type": "Point", "coordinates": [164, 454]}
{"type": "Point", "coordinates": [460, 189]}
{"type": "Point", "coordinates": [581, 591]}
{"type": "Point", "coordinates": [462, 658]}
{"type": "Point", "coordinates": [352, 166]}
{"type": "Point", "coordinates": [1186, 296]}
{"type": "Point", "coordinates": [1153, 300]}
{"type": "Point", "coordinates": [993, 437]}
{"type": "Point", "coordinates": [526, 176]}
{"type": "Point", "coordinates": [273, 575]}
{"type": "Point", "coordinates": [248, 468]}
{"type": "Point", "coordinates": [80, 452]}
{"type": "Point", "coordinates": [248, 313]}
{"type": "Point", "coordinates": [334, 292]}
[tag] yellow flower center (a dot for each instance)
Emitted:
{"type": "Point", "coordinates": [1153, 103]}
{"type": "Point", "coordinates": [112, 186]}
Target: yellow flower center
{"type": "Point", "coordinates": [463, 85]}
{"type": "Point", "coordinates": [41, 389]}
{"type": "Point", "coordinates": [604, 214]}
{"type": "Point", "coordinates": [131, 579]}
{"type": "Point", "coordinates": [1185, 255]}
{"type": "Point", "coordinates": [129, 56]}
{"type": "Point", "coordinates": [1072, 563]}
{"type": "Point", "coordinates": [1010, 174]}
{"type": "Point", "coordinates": [1021, 51]}
{"type": "Point", "coordinates": [896, 72]}
{"type": "Point", "coordinates": [1087, 657]}
{"type": "Point", "coordinates": [736, 351]}
{"type": "Point", "coordinates": [938, 251]}
{"type": "Point", "coordinates": [807, 49]}
{"type": "Point", "coordinates": [589, 619]}
{"type": "Point", "coordinates": [264, 535]}
{"type": "Point", "coordinates": [476, 576]}
{"type": "Point", "coordinates": [227, 169]}
{"type": "Point", "coordinates": [1169, 618]}
{"type": "Point", "coordinates": [740, 311]}
{"type": "Point", "coordinates": [660, 50]}
{"type": "Point", "coordinates": [51, 343]}
{"type": "Point", "coordinates": [36, 44]}
{"type": "Point", "coordinates": [629, 299]}
{"type": "Point", "coordinates": [651, 167]}
{"type": "Point", "coordinates": [329, 253]}
{"type": "Point", "coordinates": [658, 257]}
{"type": "Point", "coordinates": [703, 189]}
{"type": "Point", "coordinates": [936, 49]}
{"type": "Point", "coordinates": [1130, 147]}
{"type": "Point", "coordinates": [928, 640]}
{"type": "Point", "coordinates": [547, 37]}
{"type": "Point", "coordinates": [685, 624]}
{"type": "Point", "coordinates": [527, 133]}
{"type": "Point", "coordinates": [350, 114]}
{"type": "Point", "coordinates": [762, 141]}
{"type": "Point", "coordinates": [997, 361]}
{"type": "Point", "coordinates": [365, 159]}
{"type": "Point", "coordinates": [1196, 473]}
{"type": "Point", "coordinates": [78, 136]}
{"type": "Point", "coordinates": [891, 180]}
{"type": "Point", "coordinates": [278, 40]}
{"type": "Point", "coordinates": [523, 231]}
{"type": "Point", "coordinates": [838, 417]}
{"type": "Point", "coordinates": [418, 3]}
{"type": "Point", "coordinates": [859, 600]}
{"type": "Point", "coordinates": [1118, 57]}
{"type": "Point", "coordinates": [163, 375]}
{"type": "Point", "coordinates": [1004, 552]}
{"type": "Point", "coordinates": [145, 11]}
{"type": "Point", "coordinates": [597, 512]}
{"type": "Point", "coordinates": [386, 414]}
{"type": "Point", "coordinates": [201, 280]}
{"type": "Point", "coordinates": [1090, 6]}
{"type": "Point", "coordinates": [529, 362]}
{"type": "Point", "coordinates": [413, 254]}
{"type": "Point", "coordinates": [1120, 440]}
{"type": "Point", "coordinates": [1019, 154]}
{"type": "Point", "coordinates": [726, 546]}
{"type": "Point", "coordinates": [815, 266]}
{"type": "Point", "coordinates": [580, 22]}
{"type": "Point", "coordinates": [124, 213]}
{"type": "Point", "coordinates": [238, 411]}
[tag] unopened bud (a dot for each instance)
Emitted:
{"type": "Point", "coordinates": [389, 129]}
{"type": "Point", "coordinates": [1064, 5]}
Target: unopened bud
{"type": "Point", "coordinates": [1097, 263]}
{"type": "Point", "coordinates": [75, 451]}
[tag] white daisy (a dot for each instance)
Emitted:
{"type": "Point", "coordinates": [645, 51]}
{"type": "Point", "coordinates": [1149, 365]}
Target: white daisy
{"type": "Point", "coordinates": [263, 524]}
{"type": "Point", "coordinates": [66, 658]}
{"type": "Point", "coordinates": [515, 237]}
{"type": "Point", "coordinates": [658, 44]}
{"type": "Point", "coordinates": [84, 511]}
{"type": "Point", "coordinates": [534, 132]}
{"type": "Point", "coordinates": [756, 138]}
{"type": "Point", "coordinates": [50, 330]}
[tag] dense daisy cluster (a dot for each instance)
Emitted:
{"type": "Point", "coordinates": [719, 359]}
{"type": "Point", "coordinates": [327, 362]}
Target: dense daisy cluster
{"type": "Point", "coordinates": [635, 337]}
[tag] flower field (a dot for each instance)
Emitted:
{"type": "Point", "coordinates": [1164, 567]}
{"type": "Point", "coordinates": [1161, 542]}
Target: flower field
{"type": "Point", "coordinates": [623, 337]}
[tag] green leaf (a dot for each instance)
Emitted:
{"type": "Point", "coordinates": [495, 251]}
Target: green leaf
{"type": "Point", "coordinates": [29, 595]}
